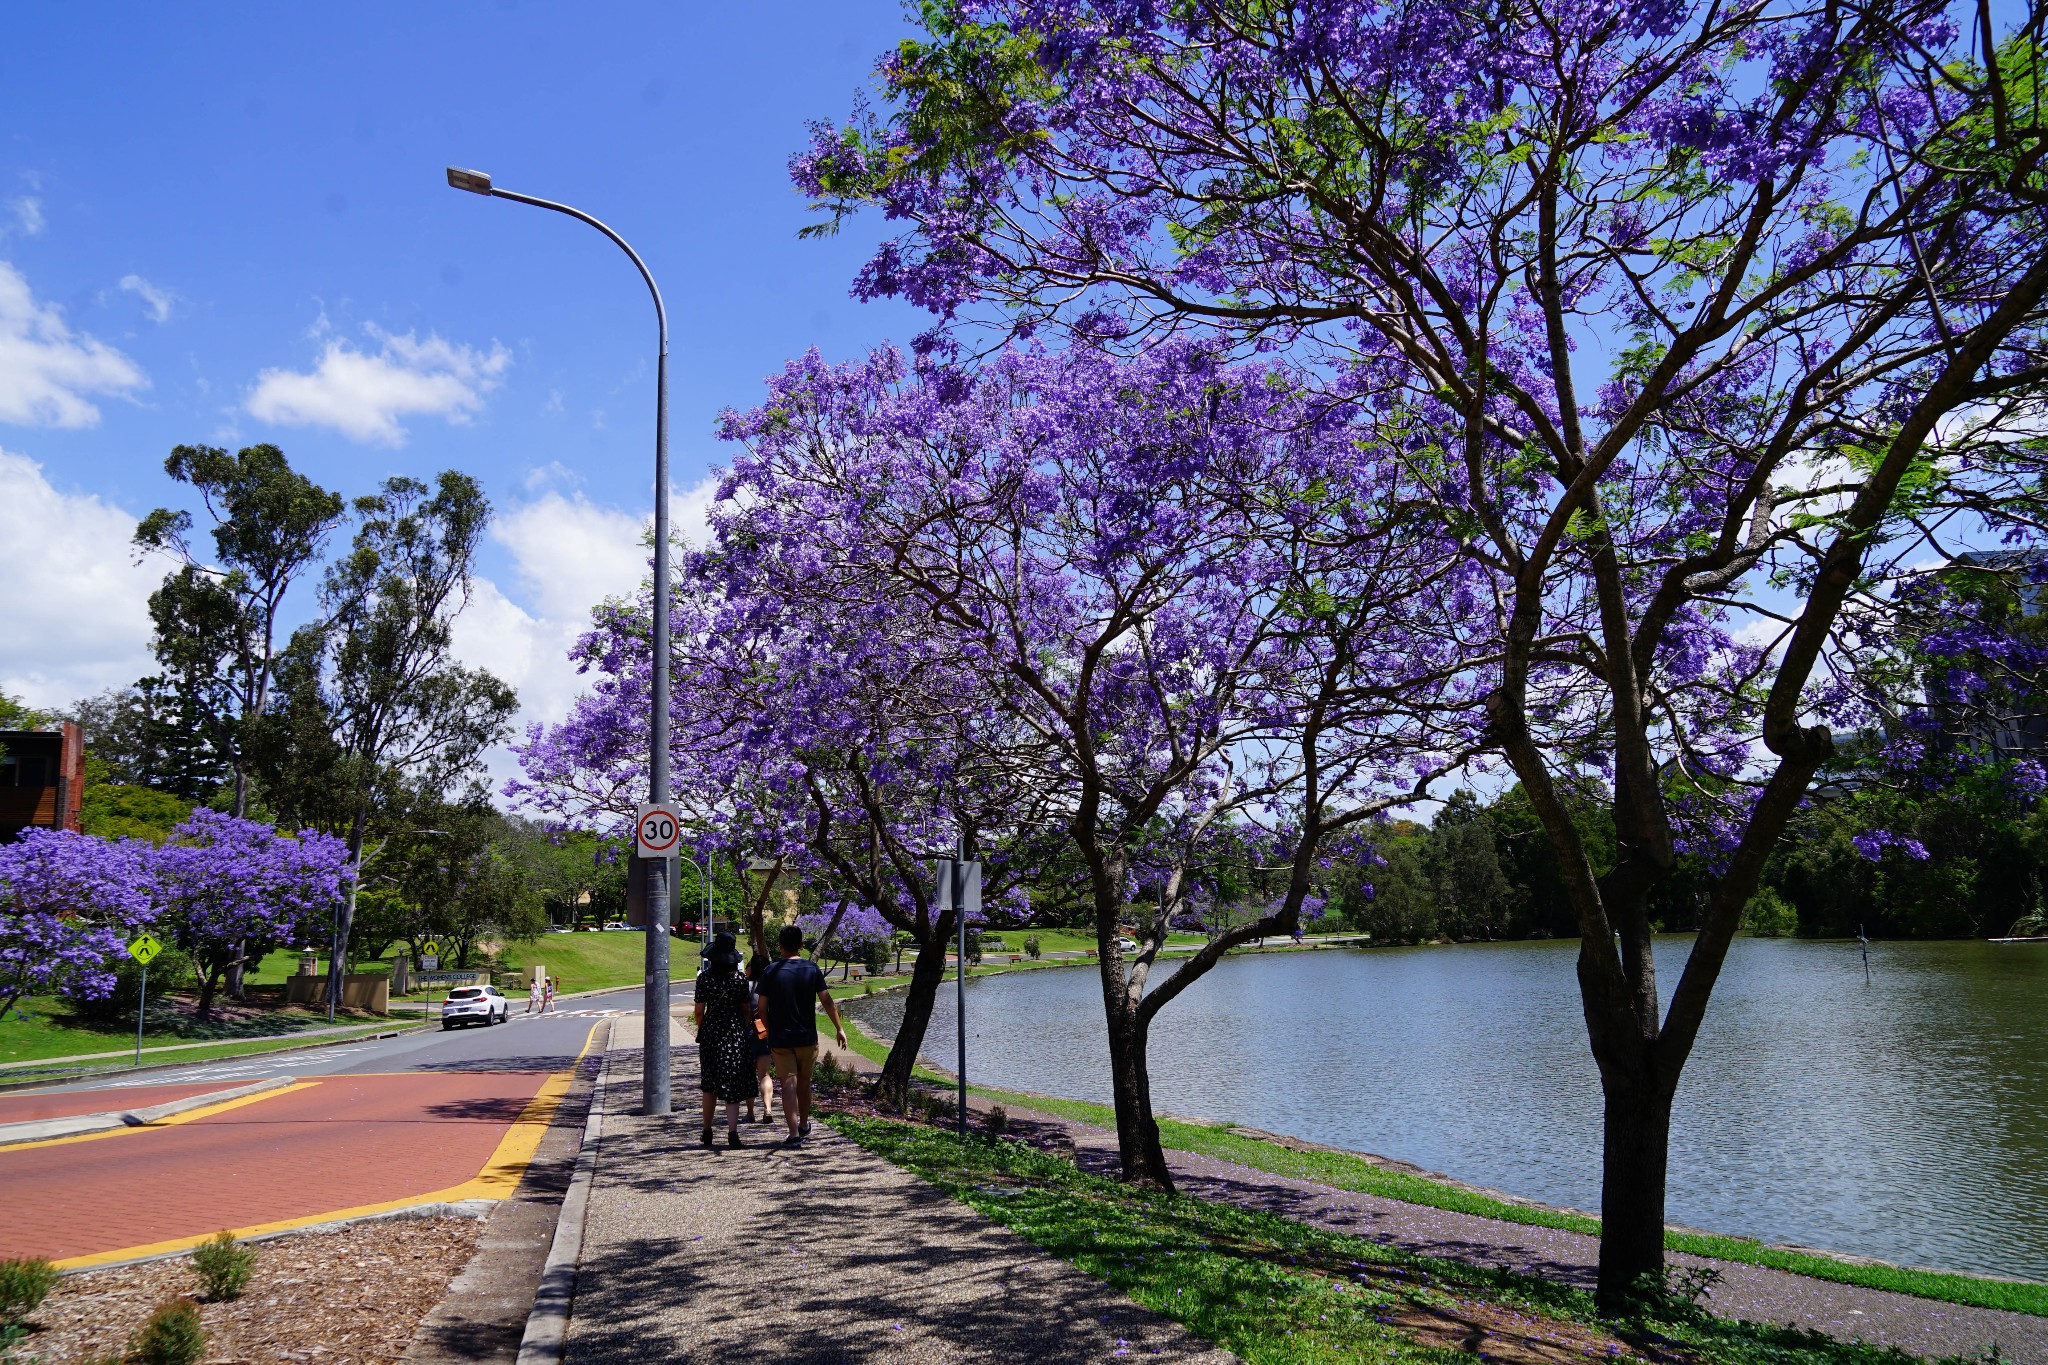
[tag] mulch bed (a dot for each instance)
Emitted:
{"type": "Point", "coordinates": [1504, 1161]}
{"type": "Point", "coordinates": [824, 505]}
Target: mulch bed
{"type": "Point", "coordinates": [349, 1297]}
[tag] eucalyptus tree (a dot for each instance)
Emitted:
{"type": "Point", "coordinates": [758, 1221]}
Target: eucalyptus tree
{"type": "Point", "coordinates": [376, 712]}
{"type": "Point", "coordinates": [219, 618]}
{"type": "Point", "coordinates": [1700, 324]}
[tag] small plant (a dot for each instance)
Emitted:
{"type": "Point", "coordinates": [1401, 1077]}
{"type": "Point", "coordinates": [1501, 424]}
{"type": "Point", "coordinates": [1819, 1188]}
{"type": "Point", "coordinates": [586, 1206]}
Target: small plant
{"type": "Point", "coordinates": [998, 1121]}
{"type": "Point", "coordinates": [173, 1335]}
{"type": "Point", "coordinates": [224, 1267]}
{"type": "Point", "coordinates": [1031, 947]}
{"type": "Point", "coordinates": [23, 1286]}
{"type": "Point", "coordinates": [867, 990]}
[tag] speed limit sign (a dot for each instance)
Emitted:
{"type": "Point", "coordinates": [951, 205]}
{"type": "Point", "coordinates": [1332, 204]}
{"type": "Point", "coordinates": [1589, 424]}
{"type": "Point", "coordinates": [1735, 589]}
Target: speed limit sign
{"type": "Point", "coordinates": [658, 831]}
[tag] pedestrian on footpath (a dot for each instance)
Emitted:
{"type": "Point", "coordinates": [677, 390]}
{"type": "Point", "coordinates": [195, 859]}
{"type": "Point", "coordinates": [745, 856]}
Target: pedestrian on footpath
{"type": "Point", "coordinates": [791, 991]}
{"type": "Point", "coordinates": [763, 1054]}
{"type": "Point", "coordinates": [725, 1065]}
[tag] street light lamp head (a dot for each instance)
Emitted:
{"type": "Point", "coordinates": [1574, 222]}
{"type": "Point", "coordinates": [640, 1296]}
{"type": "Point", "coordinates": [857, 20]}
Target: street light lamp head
{"type": "Point", "coordinates": [476, 182]}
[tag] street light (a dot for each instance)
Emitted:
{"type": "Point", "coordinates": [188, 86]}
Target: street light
{"type": "Point", "coordinates": [654, 1064]}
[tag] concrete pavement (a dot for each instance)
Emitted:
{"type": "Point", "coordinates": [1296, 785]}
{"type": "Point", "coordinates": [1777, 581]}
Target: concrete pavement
{"type": "Point", "coordinates": [824, 1253]}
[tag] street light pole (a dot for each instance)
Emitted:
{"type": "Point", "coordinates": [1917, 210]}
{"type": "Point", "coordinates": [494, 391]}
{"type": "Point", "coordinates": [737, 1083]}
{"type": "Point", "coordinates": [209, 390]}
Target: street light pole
{"type": "Point", "coordinates": [654, 1063]}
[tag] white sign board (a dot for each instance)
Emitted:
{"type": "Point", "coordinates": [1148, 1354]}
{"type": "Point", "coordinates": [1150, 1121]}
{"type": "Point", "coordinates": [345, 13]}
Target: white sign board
{"type": "Point", "coordinates": [658, 831]}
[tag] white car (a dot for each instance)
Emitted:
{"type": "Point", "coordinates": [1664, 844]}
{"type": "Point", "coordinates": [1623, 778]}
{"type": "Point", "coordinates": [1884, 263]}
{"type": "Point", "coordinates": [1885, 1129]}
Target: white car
{"type": "Point", "coordinates": [475, 1005]}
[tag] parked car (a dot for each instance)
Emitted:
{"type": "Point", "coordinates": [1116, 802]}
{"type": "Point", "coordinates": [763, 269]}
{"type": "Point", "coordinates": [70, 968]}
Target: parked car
{"type": "Point", "coordinates": [1127, 945]}
{"type": "Point", "coordinates": [484, 1005]}
{"type": "Point", "coordinates": [616, 926]}
{"type": "Point", "coordinates": [688, 929]}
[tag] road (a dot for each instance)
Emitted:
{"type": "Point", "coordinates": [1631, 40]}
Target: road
{"type": "Point", "coordinates": [430, 1116]}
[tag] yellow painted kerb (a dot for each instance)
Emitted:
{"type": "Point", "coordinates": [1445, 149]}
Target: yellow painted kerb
{"type": "Point", "coordinates": [498, 1179]}
{"type": "Point", "coordinates": [189, 1116]}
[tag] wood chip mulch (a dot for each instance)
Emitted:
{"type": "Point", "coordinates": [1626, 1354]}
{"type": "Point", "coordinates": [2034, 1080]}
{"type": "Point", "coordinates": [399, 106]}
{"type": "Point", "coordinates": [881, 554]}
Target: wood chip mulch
{"type": "Point", "coordinates": [353, 1296]}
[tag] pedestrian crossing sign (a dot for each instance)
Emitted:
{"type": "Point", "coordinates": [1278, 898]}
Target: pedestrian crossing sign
{"type": "Point", "coordinates": [429, 949]}
{"type": "Point", "coordinates": [143, 947]}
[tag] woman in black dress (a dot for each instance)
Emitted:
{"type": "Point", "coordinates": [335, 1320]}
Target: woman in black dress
{"type": "Point", "coordinates": [725, 1034]}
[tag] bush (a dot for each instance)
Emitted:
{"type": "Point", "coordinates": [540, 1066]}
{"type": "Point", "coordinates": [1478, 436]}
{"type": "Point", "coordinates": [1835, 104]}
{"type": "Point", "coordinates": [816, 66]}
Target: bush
{"type": "Point", "coordinates": [224, 1267]}
{"type": "Point", "coordinates": [1031, 947]}
{"type": "Point", "coordinates": [23, 1286]}
{"type": "Point", "coordinates": [875, 956]}
{"type": "Point", "coordinates": [1769, 915]}
{"type": "Point", "coordinates": [974, 946]}
{"type": "Point", "coordinates": [172, 971]}
{"type": "Point", "coordinates": [173, 1335]}
{"type": "Point", "coordinates": [998, 1120]}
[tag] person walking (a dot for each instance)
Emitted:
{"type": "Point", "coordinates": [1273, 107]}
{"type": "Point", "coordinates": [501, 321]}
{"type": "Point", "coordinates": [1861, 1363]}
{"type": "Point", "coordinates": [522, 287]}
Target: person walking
{"type": "Point", "coordinates": [791, 990]}
{"type": "Point", "coordinates": [547, 995]}
{"type": "Point", "coordinates": [725, 1065]}
{"type": "Point", "coordinates": [762, 1053]}
{"type": "Point", "coordinates": [533, 995]}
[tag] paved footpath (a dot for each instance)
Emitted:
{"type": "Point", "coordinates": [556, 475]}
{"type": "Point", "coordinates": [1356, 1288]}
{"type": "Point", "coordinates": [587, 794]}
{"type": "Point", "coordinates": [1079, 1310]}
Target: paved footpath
{"type": "Point", "coordinates": [821, 1255]}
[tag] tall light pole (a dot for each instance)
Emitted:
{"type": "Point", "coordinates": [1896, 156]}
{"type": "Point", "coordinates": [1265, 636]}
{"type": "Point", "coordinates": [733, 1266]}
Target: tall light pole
{"type": "Point", "coordinates": [654, 1089]}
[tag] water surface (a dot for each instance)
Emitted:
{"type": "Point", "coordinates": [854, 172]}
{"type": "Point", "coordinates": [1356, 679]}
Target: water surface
{"type": "Point", "coordinates": [1905, 1119]}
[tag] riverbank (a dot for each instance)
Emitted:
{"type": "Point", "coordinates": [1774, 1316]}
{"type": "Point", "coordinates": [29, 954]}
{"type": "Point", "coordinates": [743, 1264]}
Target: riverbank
{"type": "Point", "coordinates": [1385, 1177]}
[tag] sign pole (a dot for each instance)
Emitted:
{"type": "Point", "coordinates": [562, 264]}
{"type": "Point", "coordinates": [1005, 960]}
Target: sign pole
{"type": "Point", "coordinates": [960, 980]}
{"type": "Point", "coordinates": [141, 1000]}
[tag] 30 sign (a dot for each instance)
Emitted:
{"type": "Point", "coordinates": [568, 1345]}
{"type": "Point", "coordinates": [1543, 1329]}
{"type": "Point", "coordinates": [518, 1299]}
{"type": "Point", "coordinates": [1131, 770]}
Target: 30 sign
{"type": "Point", "coordinates": [658, 831]}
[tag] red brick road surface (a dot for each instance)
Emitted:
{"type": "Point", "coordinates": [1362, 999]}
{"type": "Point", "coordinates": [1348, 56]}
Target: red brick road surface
{"type": "Point", "coordinates": [343, 1142]}
{"type": "Point", "coordinates": [64, 1104]}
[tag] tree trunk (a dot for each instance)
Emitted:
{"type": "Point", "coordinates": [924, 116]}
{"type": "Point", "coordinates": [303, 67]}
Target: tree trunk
{"type": "Point", "coordinates": [927, 974]}
{"type": "Point", "coordinates": [1633, 1165]}
{"type": "Point", "coordinates": [1137, 1133]}
{"type": "Point", "coordinates": [209, 983]}
{"type": "Point", "coordinates": [337, 958]}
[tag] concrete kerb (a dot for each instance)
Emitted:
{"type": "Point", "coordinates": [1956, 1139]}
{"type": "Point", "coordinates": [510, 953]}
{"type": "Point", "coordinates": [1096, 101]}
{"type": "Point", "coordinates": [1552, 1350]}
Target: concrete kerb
{"type": "Point", "coordinates": [77, 1125]}
{"type": "Point", "coordinates": [547, 1326]}
{"type": "Point", "coordinates": [96, 1073]}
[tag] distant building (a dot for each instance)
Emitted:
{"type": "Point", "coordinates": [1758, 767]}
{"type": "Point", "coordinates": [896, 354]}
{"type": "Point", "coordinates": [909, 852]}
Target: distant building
{"type": "Point", "coordinates": [42, 779]}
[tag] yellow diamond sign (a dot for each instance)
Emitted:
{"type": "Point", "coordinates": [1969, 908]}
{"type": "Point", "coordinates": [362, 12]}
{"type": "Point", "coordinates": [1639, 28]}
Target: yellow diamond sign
{"type": "Point", "coordinates": [143, 947]}
{"type": "Point", "coordinates": [429, 949]}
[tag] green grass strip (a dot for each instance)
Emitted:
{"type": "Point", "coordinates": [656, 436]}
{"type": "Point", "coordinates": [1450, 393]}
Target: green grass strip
{"type": "Point", "coordinates": [1344, 1171]}
{"type": "Point", "coordinates": [1278, 1292]}
{"type": "Point", "coordinates": [194, 1055]}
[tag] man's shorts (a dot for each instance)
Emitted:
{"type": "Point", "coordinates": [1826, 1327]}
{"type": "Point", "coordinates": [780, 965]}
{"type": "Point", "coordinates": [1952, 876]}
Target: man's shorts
{"type": "Point", "coordinates": [797, 1060]}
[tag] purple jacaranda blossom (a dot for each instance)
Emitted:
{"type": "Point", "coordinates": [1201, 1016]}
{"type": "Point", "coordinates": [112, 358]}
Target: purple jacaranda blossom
{"type": "Point", "coordinates": [1873, 843]}
{"type": "Point", "coordinates": [228, 888]}
{"type": "Point", "coordinates": [69, 904]}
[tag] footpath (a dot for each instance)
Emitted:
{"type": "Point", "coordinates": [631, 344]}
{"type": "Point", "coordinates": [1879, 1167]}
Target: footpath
{"type": "Point", "coordinates": [817, 1255]}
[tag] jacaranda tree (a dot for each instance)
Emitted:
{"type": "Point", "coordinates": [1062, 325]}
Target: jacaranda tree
{"type": "Point", "coordinates": [69, 903]}
{"type": "Point", "coordinates": [228, 888]}
{"type": "Point", "coordinates": [1696, 324]}
{"type": "Point", "coordinates": [1190, 593]}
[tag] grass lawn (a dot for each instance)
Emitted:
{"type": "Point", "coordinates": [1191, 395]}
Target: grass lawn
{"type": "Point", "coordinates": [1282, 1293]}
{"type": "Point", "coordinates": [597, 960]}
{"type": "Point", "coordinates": [1345, 1171]}
{"type": "Point", "coordinates": [40, 1027]}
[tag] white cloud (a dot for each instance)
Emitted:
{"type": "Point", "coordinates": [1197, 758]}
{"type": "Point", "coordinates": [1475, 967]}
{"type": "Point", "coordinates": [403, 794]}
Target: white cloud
{"type": "Point", "coordinates": [74, 617]}
{"type": "Point", "coordinates": [47, 370]}
{"type": "Point", "coordinates": [363, 395]}
{"type": "Point", "coordinates": [28, 211]}
{"type": "Point", "coordinates": [568, 555]}
{"type": "Point", "coordinates": [156, 299]}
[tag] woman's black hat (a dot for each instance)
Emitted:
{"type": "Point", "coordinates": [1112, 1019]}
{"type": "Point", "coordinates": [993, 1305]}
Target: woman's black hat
{"type": "Point", "coordinates": [722, 950]}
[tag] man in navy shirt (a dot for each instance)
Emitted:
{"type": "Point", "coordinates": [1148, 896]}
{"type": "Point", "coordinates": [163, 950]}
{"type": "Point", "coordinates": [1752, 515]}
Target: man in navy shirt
{"type": "Point", "coordinates": [789, 989]}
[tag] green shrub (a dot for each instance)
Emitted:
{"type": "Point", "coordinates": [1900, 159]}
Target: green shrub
{"type": "Point", "coordinates": [224, 1266]}
{"type": "Point", "coordinates": [173, 1335]}
{"type": "Point", "coordinates": [171, 971]}
{"type": "Point", "coordinates": [998, 1121]}
{"type": "Point", "coordinates": [1031, 947]}
{"type": "Point", "coordinates": [23, 1286]}
{"type": "Point", "coordinates": [1769, 915]}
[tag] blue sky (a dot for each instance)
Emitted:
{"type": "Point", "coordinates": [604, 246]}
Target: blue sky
{"type": "Point", "coordinates": [228, 223]}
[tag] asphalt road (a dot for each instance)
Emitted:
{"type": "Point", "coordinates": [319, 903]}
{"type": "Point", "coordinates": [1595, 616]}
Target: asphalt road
{"type": "Point", "coordinates": [547, 1042]}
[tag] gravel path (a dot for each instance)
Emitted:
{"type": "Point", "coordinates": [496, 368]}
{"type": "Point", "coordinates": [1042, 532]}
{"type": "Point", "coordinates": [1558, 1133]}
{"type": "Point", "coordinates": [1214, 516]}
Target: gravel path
{"type": "Point", "coordinates": [825, 1253]}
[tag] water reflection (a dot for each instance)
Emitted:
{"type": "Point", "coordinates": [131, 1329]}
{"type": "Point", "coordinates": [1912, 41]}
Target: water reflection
{"type": "Point", "coordinates": [1906, 1119]}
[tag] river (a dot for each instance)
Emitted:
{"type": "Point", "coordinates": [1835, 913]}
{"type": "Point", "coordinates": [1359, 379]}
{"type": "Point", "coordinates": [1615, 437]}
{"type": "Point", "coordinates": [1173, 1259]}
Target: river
{"type": "Point", "coordinates": [1905, 1119]}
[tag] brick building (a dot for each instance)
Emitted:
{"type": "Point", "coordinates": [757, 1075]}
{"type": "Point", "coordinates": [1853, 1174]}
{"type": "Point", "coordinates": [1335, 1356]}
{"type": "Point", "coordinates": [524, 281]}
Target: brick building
{"type": "Point", "coordinates": [42, 778]}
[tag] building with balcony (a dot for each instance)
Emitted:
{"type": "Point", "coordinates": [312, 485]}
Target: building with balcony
{"type": "Point", "coordinates": [42, 779]}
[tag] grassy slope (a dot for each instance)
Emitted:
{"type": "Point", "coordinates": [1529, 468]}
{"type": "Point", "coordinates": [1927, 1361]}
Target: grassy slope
{"type": "Point", "coordinates": [1282, 1293]}
{"type": "Point", "coordinates": [1345, 1171]}
{"type": "Point", "coordinates": [595, 961]}
{"type": "Point", "coordinates": [216, 1052]}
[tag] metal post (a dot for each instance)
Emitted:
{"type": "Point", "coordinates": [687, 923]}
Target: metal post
{"type": "Point", "coordinates": [960, 978]}
{"type": "Point", "coordinates": [141, 1003]}
{"type": "Point", "coordinates": [654, 1063]}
